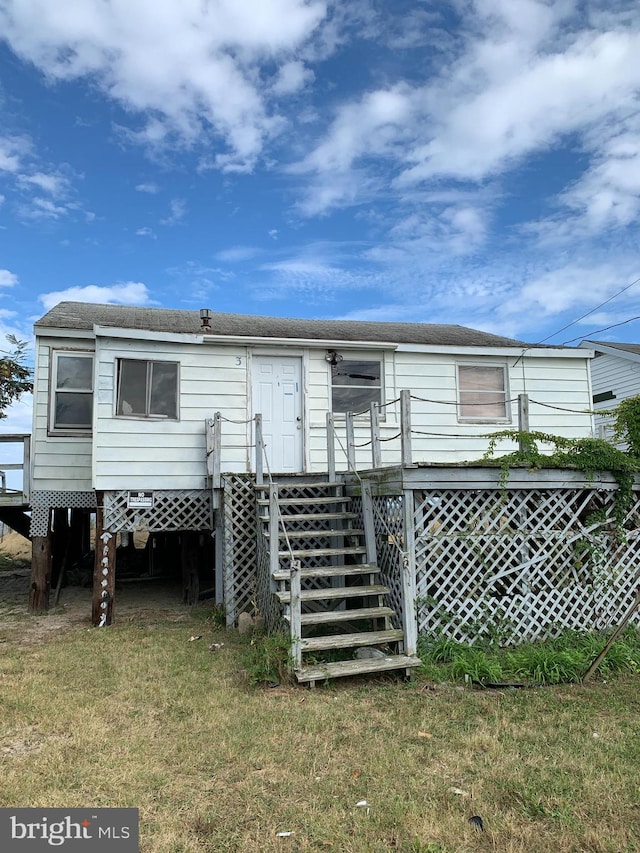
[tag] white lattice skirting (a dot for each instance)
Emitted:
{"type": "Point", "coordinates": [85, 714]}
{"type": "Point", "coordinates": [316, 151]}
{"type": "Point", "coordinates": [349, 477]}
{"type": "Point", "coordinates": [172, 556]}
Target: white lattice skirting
{"type": "Point", "coordinates": [43, 502]}
{"type": "Point", "coordinates": [522, 565]}
{"type": "Point", "coordinates": [172, 510]}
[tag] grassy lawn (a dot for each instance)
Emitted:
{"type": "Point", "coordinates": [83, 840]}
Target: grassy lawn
{"type": "Point", "coordinates": [137, 715]}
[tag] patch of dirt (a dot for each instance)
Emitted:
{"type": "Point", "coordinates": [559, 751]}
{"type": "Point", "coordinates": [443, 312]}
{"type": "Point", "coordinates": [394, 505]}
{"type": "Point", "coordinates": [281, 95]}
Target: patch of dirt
{"type": "Point", "coordinates": [144, 601]}
{"type": "Point", "coordinates": [139, 601]}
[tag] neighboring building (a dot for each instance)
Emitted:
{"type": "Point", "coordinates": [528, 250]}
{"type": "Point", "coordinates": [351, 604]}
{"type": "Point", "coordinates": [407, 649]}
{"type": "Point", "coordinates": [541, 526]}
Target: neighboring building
{"type": "Point", "coordinates": [615, 376]}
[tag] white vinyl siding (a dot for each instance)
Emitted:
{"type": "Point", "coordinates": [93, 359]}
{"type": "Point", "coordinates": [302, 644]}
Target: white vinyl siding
{"type": "Point", "coordinates": [139, 453]}
{"type": "Point", "coordinates": [59, 462]}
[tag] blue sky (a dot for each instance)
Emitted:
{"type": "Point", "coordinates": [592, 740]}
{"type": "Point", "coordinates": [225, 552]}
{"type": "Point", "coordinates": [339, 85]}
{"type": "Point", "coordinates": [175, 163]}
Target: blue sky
{"type": "Point", "coordinates": [463, 162]}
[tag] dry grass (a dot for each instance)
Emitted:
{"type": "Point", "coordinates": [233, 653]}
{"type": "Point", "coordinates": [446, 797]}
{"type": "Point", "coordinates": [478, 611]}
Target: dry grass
{"type": "Point", "coordinates": [137, 715]}
{"type": "Point", "coordinates": [14, 545]}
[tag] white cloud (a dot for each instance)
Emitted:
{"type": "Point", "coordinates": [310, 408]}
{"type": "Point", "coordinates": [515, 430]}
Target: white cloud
{"type": "Point", "coordinates": [189, 69]}
{"type": "Point", "coordinates": [291, 78]}
{"type": "Point", "coordinates": [128, 293]}
{"type": "Point", "coordinates": [13, 150]}
{"type": "Point", "coordinates": [8, 278]}
{"type": "Point", "coordinates": [236, 254]}
{"type": "Point", "coordinates": [54, 184]}
{"type": "Point", "coordinates": [149, 188]}
{"type": "Point", "coordinates": [178, 209]}
{"type": "Point", "coordinates": [146, 232]}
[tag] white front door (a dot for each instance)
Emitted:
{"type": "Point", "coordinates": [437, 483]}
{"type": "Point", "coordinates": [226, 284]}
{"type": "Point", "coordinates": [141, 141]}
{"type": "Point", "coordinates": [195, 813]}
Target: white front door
{"type": "Point", "coordinates": [277, 396]}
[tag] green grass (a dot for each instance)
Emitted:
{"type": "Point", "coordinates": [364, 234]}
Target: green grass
{"type": "Point", "coordinates": [137, 715]}
{"type": "Point", "coordinates": [561, 660]}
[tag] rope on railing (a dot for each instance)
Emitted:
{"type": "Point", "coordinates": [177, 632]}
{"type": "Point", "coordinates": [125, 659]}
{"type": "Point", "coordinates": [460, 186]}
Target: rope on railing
{"type": "Point", "coordinates": [456, 403]}
{"type": "Point", "coordinates": [232, 421]}
{"type": "Point", "coordinates": [390, 533]}
{"type": "Point", "coordinates": [295, 566]}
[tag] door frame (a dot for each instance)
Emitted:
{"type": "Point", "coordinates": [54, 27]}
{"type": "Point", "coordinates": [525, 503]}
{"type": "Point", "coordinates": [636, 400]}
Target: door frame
{"type": "Point", "coordinates": [278, 352]}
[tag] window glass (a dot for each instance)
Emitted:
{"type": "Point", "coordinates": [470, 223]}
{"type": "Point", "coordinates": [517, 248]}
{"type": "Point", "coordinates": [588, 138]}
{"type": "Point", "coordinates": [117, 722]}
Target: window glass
{"type": "Point", "coordinates": [132, 388]}
{"type": "Point", "coordinates": [75, 372]}
{"type": "Point", "coordinates": [164, 383]}
{"type": "Point", "coordinates": [72, 404]}
{"type": "Point", "coordinates": [147, 388]}
{"type": "Point", "coordinates": [482, 392]}
{"type": "Point", "coordinates": [355, 385]}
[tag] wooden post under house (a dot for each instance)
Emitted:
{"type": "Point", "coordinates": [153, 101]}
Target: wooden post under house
{"type": "Point", "coordinates": [104, 573]}
{"type": "Point", "coordinates": [40, 572]}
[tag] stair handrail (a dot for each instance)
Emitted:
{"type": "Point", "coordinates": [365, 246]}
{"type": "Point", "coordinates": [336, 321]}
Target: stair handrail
{"type": "Point", "coordinates": [369, 508]}
{"type": "Point", "coordinates": [276, 520]}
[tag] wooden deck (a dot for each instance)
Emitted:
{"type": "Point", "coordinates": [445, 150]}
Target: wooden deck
{"type": "Point", "coordinates": [15, 501]}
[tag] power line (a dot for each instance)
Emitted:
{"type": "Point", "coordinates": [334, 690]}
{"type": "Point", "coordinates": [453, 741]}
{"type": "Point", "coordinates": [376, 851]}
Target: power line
{"type": "Point", "coordinates": [605, 329]}
{"type": "Point", "coordinates": [592, 311]}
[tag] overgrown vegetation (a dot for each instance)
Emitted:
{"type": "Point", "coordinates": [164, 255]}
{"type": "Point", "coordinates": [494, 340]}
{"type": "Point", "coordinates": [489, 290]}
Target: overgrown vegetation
{"type": "Point", "coordinates": [589, 455]}
{"type": "Point", "coordinates": [560, 660]}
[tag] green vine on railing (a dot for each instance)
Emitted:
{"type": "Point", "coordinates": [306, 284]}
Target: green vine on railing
{"type": "Point", "coordinates": [589, 455]}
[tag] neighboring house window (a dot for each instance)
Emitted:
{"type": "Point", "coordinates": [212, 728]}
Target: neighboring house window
{"type": "Point", "coordinates": [482, 393]}
{"type": "Point", "coordinates": [147, 389]}
{"type": "Point", "coordinates": [355, 384]}
{"type": "Point", "coordinates": [72, 398]}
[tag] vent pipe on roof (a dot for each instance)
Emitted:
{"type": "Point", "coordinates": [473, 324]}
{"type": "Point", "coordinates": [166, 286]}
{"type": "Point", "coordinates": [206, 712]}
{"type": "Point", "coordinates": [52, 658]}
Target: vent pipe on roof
{"type": "Point", "coordinates": [205, 319]}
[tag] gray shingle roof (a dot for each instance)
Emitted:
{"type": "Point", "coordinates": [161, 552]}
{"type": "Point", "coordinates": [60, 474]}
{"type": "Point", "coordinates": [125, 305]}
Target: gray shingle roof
{"type": "Point", "coordinates": [635, 348]}
{"type": "Point", "coordinates": [83, 316]}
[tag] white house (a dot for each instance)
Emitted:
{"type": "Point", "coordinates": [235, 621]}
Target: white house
{"type": "Point", "coordinates": [124, 402]}
{"type": "Point", "coordinates": [615, 376]}
{"type": "Point", "coordinates": [122, 394]}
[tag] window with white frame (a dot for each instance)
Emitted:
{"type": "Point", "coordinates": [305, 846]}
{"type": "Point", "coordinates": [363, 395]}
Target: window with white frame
{"type": "Point", "coordinates": [482, 393]}
{"type": "Point", "coordinates": [72, 392]}
{"type": "Point", "coordinates": [147, 389]}
{"type": "Point", "coordinates": [355, 384]}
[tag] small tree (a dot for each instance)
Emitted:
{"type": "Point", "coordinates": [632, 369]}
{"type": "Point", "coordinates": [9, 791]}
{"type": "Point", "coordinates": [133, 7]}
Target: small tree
{"type": "Point", "coordinates": [15, 376]}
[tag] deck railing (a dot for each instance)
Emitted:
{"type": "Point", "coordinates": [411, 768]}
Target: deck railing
{"type": "Point", "coordinates": [348, 447]}
{"type": "Point", "coordinates": [7, 492]}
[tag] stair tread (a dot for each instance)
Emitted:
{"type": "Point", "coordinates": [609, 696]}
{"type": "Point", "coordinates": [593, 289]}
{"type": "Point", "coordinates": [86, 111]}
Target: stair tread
{"type": "Point", "coordinates": [328, 532]}
{"type": "Point", "coordinates": [338, 669]}
{"type": "Point", "coordinates": [344, 641]}
{"type": "Point", "coordinates": [346, 615]}
{"type": "Point", "coordinates": [328, 571]}
{"type": "Point", "coordinates": [323, 552]}
{"type": "Point", "coordinates": [316, 516]}
{"type": "Point", "coordinates": [320, 484]}
{"type": "Point", "coordinates": [327, 499]}
{"type": "Point", "coordinates": [335, 592]}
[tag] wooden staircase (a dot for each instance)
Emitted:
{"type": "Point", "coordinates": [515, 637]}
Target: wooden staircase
{"type": "Point", "coordinates": [328, 584]}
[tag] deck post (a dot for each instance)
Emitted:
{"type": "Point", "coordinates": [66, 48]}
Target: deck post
{"type": "Point", "coordinates": [219, 555]}
{"type": "Point", "coordinates": [189, 558]}
{"type": "Point", "coordinates": [259, 453]}
{"type": "Point", "coordinates": [274, 532]}
{"type": "Point", "coordinates": [351, 442]}
{"type": "Point", "coordinates": [26, 468]}
{"type": "Point", "coordinates": [40, 572]}
{"type": "Point", "coordinates": [331, 448]}
{"type": "Point", "coordinates": [369, 529]}
{"type": "Point", "coordinates": [523, 417]}
{"type": "Point", "coordinates": [295, 613]}
{"type": "Point", "coordinates": [104, 570]}
{"type": "Point", "coordinates": [405, 428]}
{"type": "Point", "coordinates": [376, 453]}
{"type": "Point", "coordinates": [408, 569]}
